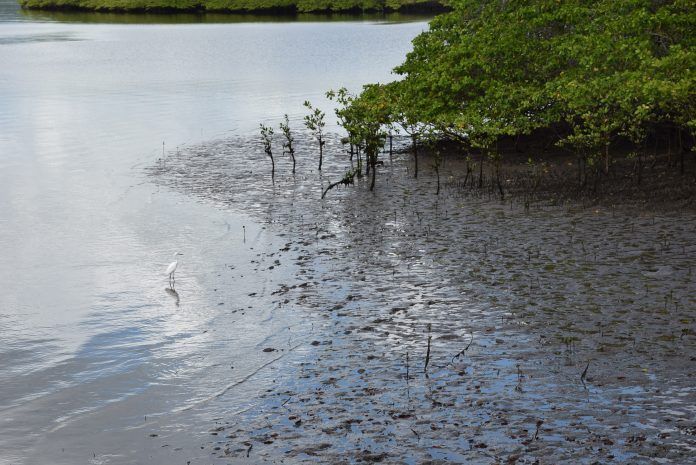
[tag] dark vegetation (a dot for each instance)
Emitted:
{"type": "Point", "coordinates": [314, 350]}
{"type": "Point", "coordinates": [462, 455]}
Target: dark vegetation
{"type": "Point", "coordinates": [596, 80]}
{"type": "Point", "coordinates": [571, 98]}
{"type": "Point", "coordinates": [274, 6]}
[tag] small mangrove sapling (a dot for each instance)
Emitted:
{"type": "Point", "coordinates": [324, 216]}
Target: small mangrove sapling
{"type": "Point", "coordinates": [315, 123]}
{"type": "Point", "coordinates": [369, 120]}
{"type": "Point", "coordinates": [266, 139]}
{"type": "Point", "coordinates": [287, 145]}
{"type": "Point", "coordinates": [348, 120]}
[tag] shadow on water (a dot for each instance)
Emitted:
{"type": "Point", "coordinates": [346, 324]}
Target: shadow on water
{"type": "Point", "coordinates": [173, 294]}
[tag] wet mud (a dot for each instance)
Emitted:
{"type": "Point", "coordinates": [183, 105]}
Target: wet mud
{"type": "Point", "coordinates": [456, 327]}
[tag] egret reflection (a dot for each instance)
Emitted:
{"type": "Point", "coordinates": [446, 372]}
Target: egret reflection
{"type": "Point", "coordinates": [172, 292]}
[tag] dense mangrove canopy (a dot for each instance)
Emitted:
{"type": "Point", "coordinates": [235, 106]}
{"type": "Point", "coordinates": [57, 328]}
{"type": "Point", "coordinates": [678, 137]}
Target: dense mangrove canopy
{"type": "Point", "coordinates": [586, 71]}
{"type": "Point", "coordinates": [302, 6]}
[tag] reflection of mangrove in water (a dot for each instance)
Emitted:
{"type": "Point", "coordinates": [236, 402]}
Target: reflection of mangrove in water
{"type": "Point", "coordinates": [35, 38]}
{"type": "Point", "coordinates": [560, 334]}
{"type": "Point", "coordinates": [105, 17]}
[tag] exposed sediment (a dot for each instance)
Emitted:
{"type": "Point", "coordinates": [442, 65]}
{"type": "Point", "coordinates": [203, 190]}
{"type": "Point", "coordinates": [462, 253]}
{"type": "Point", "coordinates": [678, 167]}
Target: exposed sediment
{"type": "Point", "coordinates": [563, 327]}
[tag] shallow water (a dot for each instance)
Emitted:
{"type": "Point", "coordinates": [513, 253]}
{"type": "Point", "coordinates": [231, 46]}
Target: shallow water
{"type": "Point", "coordinates": [96, 355]}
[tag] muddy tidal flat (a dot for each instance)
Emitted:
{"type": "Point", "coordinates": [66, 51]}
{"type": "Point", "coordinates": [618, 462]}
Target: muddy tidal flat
{"type": "Point", "coordinates": [553, 334]}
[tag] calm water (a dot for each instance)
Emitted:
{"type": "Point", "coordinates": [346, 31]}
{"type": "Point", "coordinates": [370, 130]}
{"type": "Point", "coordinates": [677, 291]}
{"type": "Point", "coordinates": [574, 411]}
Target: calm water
{"type": "Point", "coordinates": [94, 351]}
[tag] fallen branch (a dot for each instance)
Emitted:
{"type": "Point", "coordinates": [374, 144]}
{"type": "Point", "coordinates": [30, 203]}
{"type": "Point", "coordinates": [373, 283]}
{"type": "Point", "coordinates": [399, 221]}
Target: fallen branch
{"type": "Point", "coordinates": [583, 375]}
{"type": "Point", "coordinates": [346, 181]}
{"type": "Point", "coordinates": [427, 354]}
{"type": "Point", "coordinates": [463, 351]}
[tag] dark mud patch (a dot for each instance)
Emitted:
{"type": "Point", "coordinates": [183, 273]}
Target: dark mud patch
{"type": "Point", "coordinates": [656, 182]}
{"type": "Point", "coordinates": [560, 333]}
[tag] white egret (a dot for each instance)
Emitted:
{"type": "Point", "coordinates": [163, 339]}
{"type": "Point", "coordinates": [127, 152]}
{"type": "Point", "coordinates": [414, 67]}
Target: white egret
{"type": "Point", "coordinates": [171, 269]}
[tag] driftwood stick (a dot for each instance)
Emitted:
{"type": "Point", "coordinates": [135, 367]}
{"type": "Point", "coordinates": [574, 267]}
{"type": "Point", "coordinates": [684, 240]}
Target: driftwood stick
{"type": "Point", "coordinates": [427, 354]}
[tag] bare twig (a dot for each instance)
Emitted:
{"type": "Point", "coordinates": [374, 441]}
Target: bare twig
{"type": "Point", "coordinates": [463, 351]}
{"type": "Point", "coordinates": [427, 354]}
{"type": "Point", "coordinates": [584, 374]}
{"type": "Point", "coordinates": [538, 425]}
